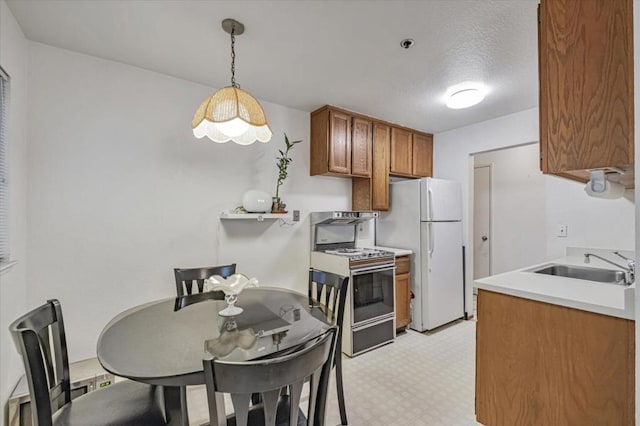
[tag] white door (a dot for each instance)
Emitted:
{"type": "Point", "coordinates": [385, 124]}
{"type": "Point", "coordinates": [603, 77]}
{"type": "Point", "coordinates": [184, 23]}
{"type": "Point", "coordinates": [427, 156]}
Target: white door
{"type": "Point", "coordinates": [442, 285]}
{"type": "Point", "coordinates": [481, 222]}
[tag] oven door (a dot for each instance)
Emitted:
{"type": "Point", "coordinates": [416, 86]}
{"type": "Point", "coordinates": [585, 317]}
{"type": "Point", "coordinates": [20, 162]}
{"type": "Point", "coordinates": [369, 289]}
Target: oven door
{"type": "Point", "coordinates": [372, 294]}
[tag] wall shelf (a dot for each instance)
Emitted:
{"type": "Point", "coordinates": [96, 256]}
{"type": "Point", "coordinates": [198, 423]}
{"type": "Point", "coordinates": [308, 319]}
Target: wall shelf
{"type": "Point", "coordinates": [260, 217]}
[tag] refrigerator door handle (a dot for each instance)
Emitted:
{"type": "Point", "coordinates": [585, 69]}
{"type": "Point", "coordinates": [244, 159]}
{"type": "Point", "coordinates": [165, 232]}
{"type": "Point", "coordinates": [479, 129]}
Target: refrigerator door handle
{"type": "Point", "coordinates": [430, 201]}
{"type": "Point", "coordinates": [431, 239]}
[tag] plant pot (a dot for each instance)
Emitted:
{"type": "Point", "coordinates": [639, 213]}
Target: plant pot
{"type": "Point", "coordinates": [277, 206]}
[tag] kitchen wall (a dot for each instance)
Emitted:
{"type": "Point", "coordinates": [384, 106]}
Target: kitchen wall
{"type": "Point", "coordinates": [13, 281]}
{"type": "Point", "coordinates": [526, 201]}
{"type": "Point", "coordinates": [591, 222]}
{"type": "Point", "coordinates": [452, 151]}
{"type": "Point", "coordinates": [517, 206]}
{"type": "Point", "coordinates": [121, 192]}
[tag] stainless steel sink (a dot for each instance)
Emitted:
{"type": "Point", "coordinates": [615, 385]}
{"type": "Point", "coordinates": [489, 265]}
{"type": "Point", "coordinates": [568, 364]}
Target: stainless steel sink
{"type": "Point", "coordinates": [582, 273]}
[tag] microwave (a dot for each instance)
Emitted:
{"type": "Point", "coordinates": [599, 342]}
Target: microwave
{"type": "Point", "coordinates": [85, 376]}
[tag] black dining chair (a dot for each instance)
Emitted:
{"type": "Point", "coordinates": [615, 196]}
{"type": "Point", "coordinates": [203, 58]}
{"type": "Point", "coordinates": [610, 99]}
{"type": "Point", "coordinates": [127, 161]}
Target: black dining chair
{"type": "Point", "coordinates": [188, 294]}
{"type": "Point", "coordinates": [185, 277]}
{"type": "Point", "coordinates": [40, 338]}
{"type": "Point", "coordinates": [268, 377]}
{"type": "Point", "coordinates": [328, 292]}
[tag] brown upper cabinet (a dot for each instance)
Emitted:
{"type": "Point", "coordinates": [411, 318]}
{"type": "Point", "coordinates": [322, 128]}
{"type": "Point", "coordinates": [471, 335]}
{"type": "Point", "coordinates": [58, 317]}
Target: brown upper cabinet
{"type": "Point", "coordinates": [361, 147]}
{"type": "Point", "coordinates": [368, 150]}
{"type": "Point", "coordinates": [380, 173]}
{"type": "Point", "coordinates": [401, 152]}
{"type": "Point", "coordinates": [373, 194]}
{"type": "Point", "coordinates": [586, 87]}
{"type": "Point", "coordinates": [422, 155]}
{"type": "Point", "coordinates": [340, 144]}
{"type": "Point", "coordinates": [411, 153]}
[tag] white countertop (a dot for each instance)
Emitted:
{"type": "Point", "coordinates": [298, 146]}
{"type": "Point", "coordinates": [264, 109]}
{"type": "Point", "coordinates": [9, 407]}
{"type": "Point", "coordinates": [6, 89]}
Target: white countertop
{"type": "Point", "coordinates": [397, 251]}
{"type": "Point", "coordinates": [608, 299]}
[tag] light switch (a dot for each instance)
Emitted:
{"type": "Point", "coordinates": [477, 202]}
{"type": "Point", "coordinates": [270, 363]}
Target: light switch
{"type": "Point", "coordinates": [562, 231]}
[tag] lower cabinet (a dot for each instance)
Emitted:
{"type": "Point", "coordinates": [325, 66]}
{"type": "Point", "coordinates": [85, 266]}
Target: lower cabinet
{"type": "Point", "coordinates": [544, 364]}
{"type": "Point", "coordinates": [403, 292]}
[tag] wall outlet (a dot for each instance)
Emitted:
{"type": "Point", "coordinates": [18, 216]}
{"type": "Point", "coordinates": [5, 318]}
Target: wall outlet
{"type": "Point", "coordinates": [296, 215]}
{"type": "Point", "coordinates": [562, 231]}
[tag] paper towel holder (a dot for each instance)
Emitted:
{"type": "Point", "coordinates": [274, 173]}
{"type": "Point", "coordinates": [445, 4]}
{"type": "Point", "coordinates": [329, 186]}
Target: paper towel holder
{"type": "Point", "coordinates": [605, 183]}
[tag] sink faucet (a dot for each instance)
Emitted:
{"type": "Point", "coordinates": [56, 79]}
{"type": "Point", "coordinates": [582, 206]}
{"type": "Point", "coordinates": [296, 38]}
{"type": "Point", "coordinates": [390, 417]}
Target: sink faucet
{"type": "Point", "coordinates": [629, 271]}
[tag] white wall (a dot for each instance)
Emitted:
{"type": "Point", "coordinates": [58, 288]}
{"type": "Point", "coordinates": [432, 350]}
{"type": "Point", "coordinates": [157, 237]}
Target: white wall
{"type": "Point", "coordinates": [13, 283]}
{"type": "Point", "coordinates": [518, 207]}
{"type": "Point", "coordinates": [121, 192]}
{"type": "Point", "coordinates": [452, 151]}
{"type": "Point", "coordinates": [591, 222]}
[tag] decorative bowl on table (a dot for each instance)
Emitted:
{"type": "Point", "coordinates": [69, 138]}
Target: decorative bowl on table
{"type": "Point", "coordinates": [232, 286]}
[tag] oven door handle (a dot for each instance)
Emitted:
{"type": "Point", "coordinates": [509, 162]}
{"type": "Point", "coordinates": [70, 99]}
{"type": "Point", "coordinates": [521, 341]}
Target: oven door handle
{"type": "Point", "coordinates": [370, 269]}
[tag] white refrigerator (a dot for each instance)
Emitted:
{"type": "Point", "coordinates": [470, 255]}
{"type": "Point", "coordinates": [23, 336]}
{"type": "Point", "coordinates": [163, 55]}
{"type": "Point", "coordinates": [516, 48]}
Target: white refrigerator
{"type": "Point", "coordinates": [425, 216]}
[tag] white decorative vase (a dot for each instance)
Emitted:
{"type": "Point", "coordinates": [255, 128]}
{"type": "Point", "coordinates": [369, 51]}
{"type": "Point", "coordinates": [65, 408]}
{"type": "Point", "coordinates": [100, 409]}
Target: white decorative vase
{"type": "Point", "coordinates": [232, 286]}
{"type": "Point", "coordinates": [256, 201]}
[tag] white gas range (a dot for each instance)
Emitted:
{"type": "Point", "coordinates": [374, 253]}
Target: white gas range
{"type": "Point", "coordinates": [343, 260]}
{"type": "Point", "coordinates": [369, 319]}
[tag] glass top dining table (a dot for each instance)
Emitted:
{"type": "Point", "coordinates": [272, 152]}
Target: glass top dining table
{"type": "Point", "coordinates": [164, 342]}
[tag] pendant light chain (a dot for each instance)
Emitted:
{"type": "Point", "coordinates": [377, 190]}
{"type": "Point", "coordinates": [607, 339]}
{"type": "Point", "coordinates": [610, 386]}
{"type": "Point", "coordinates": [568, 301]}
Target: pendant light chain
{"type": "Point", "coordinates": [233, 57]}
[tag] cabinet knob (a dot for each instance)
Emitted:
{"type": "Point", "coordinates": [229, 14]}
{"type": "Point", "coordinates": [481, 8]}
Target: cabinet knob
{"type": "Point", "coordinates": [485, 238]}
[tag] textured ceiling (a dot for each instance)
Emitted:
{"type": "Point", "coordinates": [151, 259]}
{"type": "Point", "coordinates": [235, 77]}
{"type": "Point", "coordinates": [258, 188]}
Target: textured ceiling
{"type": "Point", "coordinates": [304, 54]}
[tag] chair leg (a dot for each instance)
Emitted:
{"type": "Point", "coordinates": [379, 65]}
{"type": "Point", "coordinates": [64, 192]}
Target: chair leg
{"type": "Point", "coordinates": [175, 403]}
{"type": "Point", "coordinates": [183, 405]}
{"type": "Point", "coordinates": [340, 389]}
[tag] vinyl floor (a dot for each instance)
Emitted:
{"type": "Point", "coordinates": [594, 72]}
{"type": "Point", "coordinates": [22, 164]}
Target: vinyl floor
{"type": "Point", "coordinates": [419, 379]}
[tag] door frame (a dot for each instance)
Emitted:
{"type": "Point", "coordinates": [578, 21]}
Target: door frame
{"type": "Point", "coordinates": [473, 211]}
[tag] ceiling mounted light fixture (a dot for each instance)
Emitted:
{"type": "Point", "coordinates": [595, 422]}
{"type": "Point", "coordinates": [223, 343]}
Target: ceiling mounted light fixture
{"type": "Point", "coordinates": [465, 95]}
{"type": "Point", "coordinates": [231, 114]}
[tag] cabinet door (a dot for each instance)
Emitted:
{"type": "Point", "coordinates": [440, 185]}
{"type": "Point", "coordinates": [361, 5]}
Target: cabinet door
{"type": "Point", "coordinates": [544, 364]}
{"type": "Point", "coordinates": [401, 151]}
{"type": "Point", "coordinates": [361, 147]}
{"type": "Point", "coordinates": [422, 155]}
{"type": "Point", "coordinates": [380, 173]}
{"type": "Point", "coordinates": [403, 291]}
{"type": "Point", "coordinates": [340, 145]}
{"type": "Point", "coordinates": [403, 297]}
{"type": "Point", "coordinates": [586, 84]}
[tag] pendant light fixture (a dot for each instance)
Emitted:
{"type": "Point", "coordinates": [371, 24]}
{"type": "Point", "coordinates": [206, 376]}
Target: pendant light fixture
{"type": "Point", "coordinates": [231, 114]}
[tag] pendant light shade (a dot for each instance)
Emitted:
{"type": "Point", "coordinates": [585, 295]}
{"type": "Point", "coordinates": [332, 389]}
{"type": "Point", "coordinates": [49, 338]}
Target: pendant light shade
{"type": "Point", "coordinates": [231, 114]}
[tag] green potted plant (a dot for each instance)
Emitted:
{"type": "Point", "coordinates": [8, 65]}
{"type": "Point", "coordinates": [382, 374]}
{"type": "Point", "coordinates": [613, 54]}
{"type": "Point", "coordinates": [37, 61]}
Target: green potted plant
{"type": "Point", "coordinates": [283, 163]}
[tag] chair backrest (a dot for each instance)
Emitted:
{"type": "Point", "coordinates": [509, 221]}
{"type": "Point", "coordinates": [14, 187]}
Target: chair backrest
{"type": "Point", "coordinates": [328, 292]}
{"type": "Point", "coordinates": [267, 377]}
{"type": "Point", "coordinates": [40, 338]}
{"type": "Point", "coordinates": [186, 276]}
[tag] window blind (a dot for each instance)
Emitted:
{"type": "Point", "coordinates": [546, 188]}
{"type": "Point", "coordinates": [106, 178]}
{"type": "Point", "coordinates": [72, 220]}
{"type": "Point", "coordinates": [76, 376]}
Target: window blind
{"type": "Point", "coordinates": [4, 173]}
